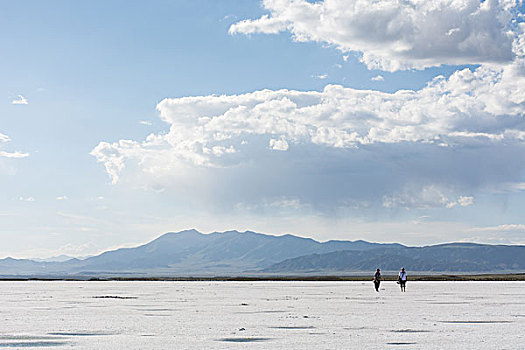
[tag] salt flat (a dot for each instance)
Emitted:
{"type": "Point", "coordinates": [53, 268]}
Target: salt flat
{"type": "Point", "coordinates": [262, 315]}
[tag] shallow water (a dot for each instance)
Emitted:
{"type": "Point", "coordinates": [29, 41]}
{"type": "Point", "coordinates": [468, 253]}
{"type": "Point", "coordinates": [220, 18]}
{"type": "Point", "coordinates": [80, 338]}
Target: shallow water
{"type": "Point", "coordinates": [261, 315]}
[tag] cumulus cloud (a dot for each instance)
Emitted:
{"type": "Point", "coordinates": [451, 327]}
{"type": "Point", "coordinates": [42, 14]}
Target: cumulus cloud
{"type": "Point", "coordinates": [21, 100]}
{"type": "Point", "coordinates": [378, 78]}
{"type": "Point", "coordinates": [62, 198]}
{"type": "Point", "coordinates": [145, 122]}
{"type": "Point", "coordinates": [279, 144]}
{"type": "Point", "coordinates": [26, 199]}
{"type": "Point", "coordinates": [470, 108]}
{"type": "Point", "coordinates": [342, 137]}
{"type": "Point", "coordinates": [395, 35]}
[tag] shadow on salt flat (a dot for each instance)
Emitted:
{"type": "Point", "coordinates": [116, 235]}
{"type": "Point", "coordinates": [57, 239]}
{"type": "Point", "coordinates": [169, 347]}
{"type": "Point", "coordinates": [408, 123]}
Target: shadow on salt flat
{"type": "Point", "coordinates": [410, 331]}
{"type": "Point", "coordinates": [400, 343]}
{"type": "Point", "coordinates": [38, 344]}
{"type": "Point", "coordinates": [243, 340]}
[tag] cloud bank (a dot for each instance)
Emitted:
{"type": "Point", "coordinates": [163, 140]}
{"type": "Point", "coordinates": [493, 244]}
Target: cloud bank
{"type": "Point", "coordinates": [341, 146]}
{"type": "Point", "coordinates": [398, 35]}
{"type": "Point", "coordinates": [346, 149]}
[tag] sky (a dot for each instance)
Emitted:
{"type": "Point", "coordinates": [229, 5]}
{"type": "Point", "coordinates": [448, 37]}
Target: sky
{"type": "Point", "coordinates": [388, 121]}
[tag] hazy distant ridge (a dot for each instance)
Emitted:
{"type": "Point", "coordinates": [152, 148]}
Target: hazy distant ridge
{"type": "Point", "coordinates": [453, 257]}
{"type": "Point", "coordinates": [191, 253]}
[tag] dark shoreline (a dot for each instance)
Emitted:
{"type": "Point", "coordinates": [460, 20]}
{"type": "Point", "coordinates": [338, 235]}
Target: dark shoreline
{"type": "Point", "coordinates": [414, 277]}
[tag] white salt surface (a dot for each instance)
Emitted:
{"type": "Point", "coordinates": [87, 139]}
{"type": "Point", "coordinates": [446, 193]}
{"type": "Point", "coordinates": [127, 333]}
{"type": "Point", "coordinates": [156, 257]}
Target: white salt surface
{"type": "Point", "coordinates": [262, 315]}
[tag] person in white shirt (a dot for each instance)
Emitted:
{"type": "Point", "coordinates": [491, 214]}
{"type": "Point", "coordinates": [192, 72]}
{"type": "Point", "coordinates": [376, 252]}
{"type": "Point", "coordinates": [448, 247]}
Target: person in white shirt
{"type": "Point", "coordinates": [402, 279]}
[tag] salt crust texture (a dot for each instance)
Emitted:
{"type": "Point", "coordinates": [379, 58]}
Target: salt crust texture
{"type": "Point", "coordinates": [262, 315]}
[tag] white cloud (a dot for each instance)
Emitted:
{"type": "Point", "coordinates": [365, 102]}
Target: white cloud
{"type": "Point", "coordinates": [26, 199]}
{"type": "Point", "coordinates": [378, 78]}
{"type": "Point", "coordinates": [14, 154]}
{"type": "Point", "coordinates": [62, 198]}
{"type": "Point", "coordinates": [465, 201]}
{"type": "Point", "coordinates": [265, 24]}
{"type": "Point", "coordinates": [112, 158]}
{"type": "Point", "coordinates": [279, 144]}
{"type": "Point", "coordinates": [479, 107]}
{"type": "Point", "coordinates": [286, 203]}
{"type": "Point", "coordinates": [427, 197]}
{"type": "Point", "coordinates": [322, 76]}
{"type": "Point", "coordinates": [515, 186]}
{"type": "Point", "coordinates": [6, 139]}
{"type": "Point", "coordinates": [20, 101]}
{"type": "Point", "coordinates": [394, 35]}
{"type": "Point", "coordinates": [145, 122]}
{"type": "Point", "coordinates": [432, 148]}
{"type": "Point", "coordinates": [227, 17]}
{"type": "Point", "coordinates": [499, 228]}
{"type": "Point", "coordinates": [500, 234]}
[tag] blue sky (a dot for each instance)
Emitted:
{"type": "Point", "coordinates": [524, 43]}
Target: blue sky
{"type": "Point", "coordinates": [330, 127]}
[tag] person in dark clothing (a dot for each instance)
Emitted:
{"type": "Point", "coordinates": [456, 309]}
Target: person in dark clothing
{"type": "Point", "coordinates": [402, 279]}
{"type": "Point", "coordinates": [377, 279]}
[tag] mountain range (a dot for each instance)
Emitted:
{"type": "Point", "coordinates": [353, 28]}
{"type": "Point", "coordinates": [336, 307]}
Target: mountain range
{"type": "Point", "coordinates": [443, 258]}
{"type": "Point", "coordinates": [233, 253]}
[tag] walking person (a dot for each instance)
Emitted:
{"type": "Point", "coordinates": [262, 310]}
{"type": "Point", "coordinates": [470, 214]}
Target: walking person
{"type": "Point", "coordinates": [402, 279]}
{"type": "Point", "coordinates": [377, 279]}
